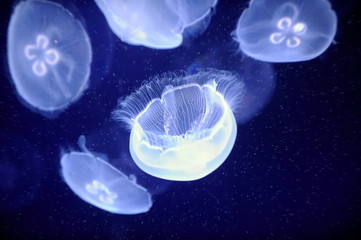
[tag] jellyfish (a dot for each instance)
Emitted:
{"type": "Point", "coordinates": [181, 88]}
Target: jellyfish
{"type": "Point", "coordinates": [156, 24]}
{"type": "Point", "coordinates": [49, 55]}
{"type": "Point", "coordinates": [97, 182]}
{"type": "Point", "coordinates": [182, 126]}
{"type": "Point", "coordinates": [286, 30]}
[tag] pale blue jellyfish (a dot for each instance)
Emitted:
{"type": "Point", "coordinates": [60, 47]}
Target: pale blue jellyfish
{"type": "Point", "coordinates": [155, 24]}
{"type": "Point", "coordinates": [182, 127]}
{"type": "Point", "coordinates": [286, 30]}
{"type": "Point", "coordinates": [97, 182]}
{"type": "Point", "coordinates": [49, 55]}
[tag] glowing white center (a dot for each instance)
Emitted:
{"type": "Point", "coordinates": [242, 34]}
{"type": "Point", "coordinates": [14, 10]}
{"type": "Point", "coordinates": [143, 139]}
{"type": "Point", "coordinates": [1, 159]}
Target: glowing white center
{"type": "Point", "coordinates": [41, 55]}
{"type": "Point", "coordinates": [289, 32]}
{"type": "Point", "coordinates": [104, 194]}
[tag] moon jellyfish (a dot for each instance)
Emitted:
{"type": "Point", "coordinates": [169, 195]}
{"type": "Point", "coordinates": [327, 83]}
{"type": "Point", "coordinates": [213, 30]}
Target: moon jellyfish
{"type": "Point", "coordinates": [155, 24]}
{"type": "Point", "coordinates": [49, 55]}
{"type": "Point", "coordinates": [182, 127]}
{"type": "Point", "coordinates": [286, 30]}
{"type": "Point", "coordinates": [97, 182]}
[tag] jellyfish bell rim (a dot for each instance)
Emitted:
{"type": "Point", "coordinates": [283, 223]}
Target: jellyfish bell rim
{"type": "Point", "coordinates": [200, 18]}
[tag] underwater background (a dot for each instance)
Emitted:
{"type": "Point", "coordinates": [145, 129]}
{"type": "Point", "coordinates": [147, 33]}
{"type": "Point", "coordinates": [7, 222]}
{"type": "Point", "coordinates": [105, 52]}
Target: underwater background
{"type": "Point", "coordinates": [294, 172]}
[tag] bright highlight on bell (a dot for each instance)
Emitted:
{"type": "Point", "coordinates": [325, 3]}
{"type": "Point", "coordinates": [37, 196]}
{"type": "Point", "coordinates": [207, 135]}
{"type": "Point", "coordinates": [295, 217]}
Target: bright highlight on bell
{"type": "Point", "coordinates": [182, 127]}
{"type": "Point", "coordinates": [286, 30]}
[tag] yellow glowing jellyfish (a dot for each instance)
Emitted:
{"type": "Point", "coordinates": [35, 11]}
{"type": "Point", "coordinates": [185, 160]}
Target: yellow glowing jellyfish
{"type": "Point", "coordinates": [182, 127]}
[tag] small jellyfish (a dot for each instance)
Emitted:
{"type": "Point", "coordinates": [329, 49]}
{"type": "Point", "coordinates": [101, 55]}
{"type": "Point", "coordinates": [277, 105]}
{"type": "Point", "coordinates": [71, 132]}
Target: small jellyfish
{"type": "Point", "coordinates": [286, 30]}
{"type": "Point", "coordinates": [49, 55]}
{"type": "Point", "coordinates": [156, 24]}
{"type": "Point", "coordinates": [100, 184]}
{"type": "Point", "coordinates": [182, 127]}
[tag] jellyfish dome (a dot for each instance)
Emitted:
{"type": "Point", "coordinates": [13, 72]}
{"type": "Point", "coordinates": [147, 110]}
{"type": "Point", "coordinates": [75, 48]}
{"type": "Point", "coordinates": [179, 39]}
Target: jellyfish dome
{"type": "Point", "coordinates": [97, 182]}
{"type": "Point", "coordinates": [286, 30]}
{"type": "Point", "coordinates": [153, 23]}
{"type": "Point", "coordinates": [182, 126]}
{"type": "Point", "coordinates": [49, 55]}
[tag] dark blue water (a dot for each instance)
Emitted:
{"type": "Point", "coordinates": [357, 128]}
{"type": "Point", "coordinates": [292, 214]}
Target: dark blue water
{"type": "Point", "coordinates": [294, 173]}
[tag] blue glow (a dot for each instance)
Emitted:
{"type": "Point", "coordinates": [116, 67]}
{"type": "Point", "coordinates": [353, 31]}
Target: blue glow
{"type": "Point", "coordinates": [100, 184]}
{"type": "Point", "coordinates": [286, 30]}
{"type": "Point", "coordinates": [155, 24]}
{"type": "Point", "coordinates": [49, 55]}
{"type": "Point", "coordinates": [182, 127]}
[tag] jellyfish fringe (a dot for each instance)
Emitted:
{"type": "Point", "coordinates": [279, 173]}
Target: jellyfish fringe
{"type": "Point", "coordinates": [227, 83]}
